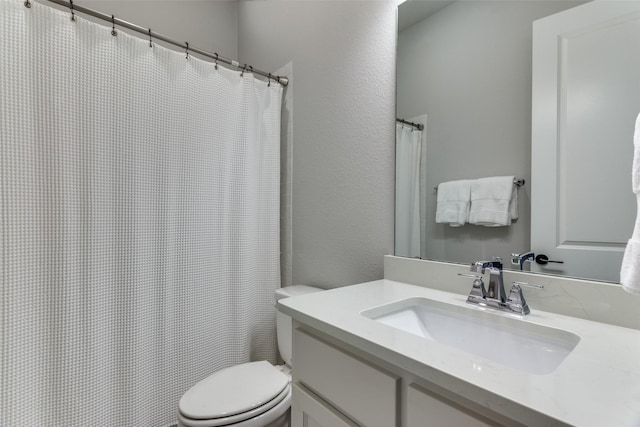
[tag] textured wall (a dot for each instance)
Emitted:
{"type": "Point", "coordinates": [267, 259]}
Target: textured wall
{"type": "Point", "coordinates": [208, 25]}
{"type": "Point", "coordinates": [343, 54]}
{"type": "Point", "coordinates": [468, 68]}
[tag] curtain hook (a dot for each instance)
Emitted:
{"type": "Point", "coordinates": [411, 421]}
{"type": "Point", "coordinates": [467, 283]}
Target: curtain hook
{"type": "Point", "coordinates": [250, 69]}
{"type": "Point", "coordinates": [269, 85]}
{"type": "Point", "coordinates": [73, 12]}
{"type": "Point", "coordinates": [27, 4]}
{"type": "Point", "coordinates": [150, 40]}
{"type": "Point", "coordinates": [243, 70]}
{"type": "Point", "coordinates": [113, 26]}
{"type": "Point", "coordinates": [187, 51]}
{"type": "Point", "coordinates": [216, 62]}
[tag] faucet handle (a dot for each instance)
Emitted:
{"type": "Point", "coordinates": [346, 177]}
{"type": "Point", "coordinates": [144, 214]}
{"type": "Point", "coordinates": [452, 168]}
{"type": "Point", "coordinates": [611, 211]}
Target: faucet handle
{"type": "Point", "coordinates": [478, 291]}
{"type": "Point", "coordinates": [475, 276]}
{"type": "Point", "coordinates": [516, 301]}
{"type": "Point", "coordinates": [527, 284]}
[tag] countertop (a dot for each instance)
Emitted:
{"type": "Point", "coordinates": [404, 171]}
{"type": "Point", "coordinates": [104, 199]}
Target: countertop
{"type": "Point", "coordinates": [598, 384]}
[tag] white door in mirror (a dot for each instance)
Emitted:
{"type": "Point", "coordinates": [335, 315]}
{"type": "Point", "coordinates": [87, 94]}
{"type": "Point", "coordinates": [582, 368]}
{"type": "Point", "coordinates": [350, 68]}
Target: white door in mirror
{"type": "Point", "coordinates": [586, 95]}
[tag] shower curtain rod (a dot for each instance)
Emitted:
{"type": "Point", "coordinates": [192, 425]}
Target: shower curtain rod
{"type": "Point", "coordinates": [415, 125]}
{"type": "Point", "coordinates": [147, 31]}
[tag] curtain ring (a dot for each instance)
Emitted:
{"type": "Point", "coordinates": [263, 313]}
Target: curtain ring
{"type": "Point", "coordinates": [216, 61]}
{"type": "Point", "coordinates": [187, 51]}
{"type": "Point", "coordinates": [113, 26]}
{"type": "Point", "coordinates": [150, 40]}
{"type": "Point", "coordinates": [73, 12]}
{"type": "Point", "coordinates": [27, 4]}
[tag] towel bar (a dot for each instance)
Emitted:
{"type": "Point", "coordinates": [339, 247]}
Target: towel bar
{"type": "Point", "coordinates": [516, 181]}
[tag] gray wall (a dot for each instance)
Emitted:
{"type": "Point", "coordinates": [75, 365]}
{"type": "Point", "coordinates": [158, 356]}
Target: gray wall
{"type": "Point", "coordinates": [343, 55]}
{"type": "Point", "coordinates": [468, 67]}
{"type": "Point", "coordinates": [208, 25]}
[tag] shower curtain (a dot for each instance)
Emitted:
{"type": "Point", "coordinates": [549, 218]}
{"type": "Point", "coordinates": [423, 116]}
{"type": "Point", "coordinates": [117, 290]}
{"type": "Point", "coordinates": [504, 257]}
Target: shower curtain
{"type": "Point", "coordinates": [139, 212]}
{"type": "Point", "coordinates": [408, 156]}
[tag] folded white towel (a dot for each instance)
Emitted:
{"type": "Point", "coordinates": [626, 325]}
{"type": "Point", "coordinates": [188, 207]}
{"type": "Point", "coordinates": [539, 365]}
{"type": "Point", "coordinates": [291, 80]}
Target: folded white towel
{"type": "Point", "coordinates": [453, 202]}
{"type": "Point", "coordinates": [630, 270]}
{"type": "Point", "coordinates": [494, 201]}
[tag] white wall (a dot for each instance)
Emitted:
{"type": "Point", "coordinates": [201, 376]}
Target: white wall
{"type": "Point", "coordinates": [343, 55]}
{"type": "Point", "coordinates": [468, 67]}
{"type": "Point", "coordinates": [207, 25]}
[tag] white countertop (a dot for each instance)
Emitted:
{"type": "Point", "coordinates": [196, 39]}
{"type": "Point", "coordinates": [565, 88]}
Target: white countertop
{"type": "Point", "coordinates": [598, 384]}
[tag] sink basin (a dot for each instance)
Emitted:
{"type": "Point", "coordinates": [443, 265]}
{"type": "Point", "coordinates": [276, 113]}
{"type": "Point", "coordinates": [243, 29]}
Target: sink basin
{"type": "Point", "coordinates": [501, 338]}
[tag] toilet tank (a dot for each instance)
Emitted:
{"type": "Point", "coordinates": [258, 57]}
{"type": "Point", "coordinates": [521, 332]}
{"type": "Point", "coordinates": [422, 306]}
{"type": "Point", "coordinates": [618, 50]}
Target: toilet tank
{"type": "Point", "coordinates": [283, 322]}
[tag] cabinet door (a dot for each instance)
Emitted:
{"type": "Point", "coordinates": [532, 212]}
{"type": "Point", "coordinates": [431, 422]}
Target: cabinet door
{"type": "Point", "coordinates": [358, 389]}
{"type": "Point", "coordinates": [308, 411]}
{"type": "Point", "coordinates": [425, 409]}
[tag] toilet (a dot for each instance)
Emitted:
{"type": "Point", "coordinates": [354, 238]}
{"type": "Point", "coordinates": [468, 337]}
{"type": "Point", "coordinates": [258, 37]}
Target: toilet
{"type": "Point", "coordinates": [255, 394]}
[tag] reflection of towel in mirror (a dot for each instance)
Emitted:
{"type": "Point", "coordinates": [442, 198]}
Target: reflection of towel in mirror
{"type": "Point", "coordinates": [630, 270]}
{"type": "Point", "coordinates": [453, 202]}
{"type": "Point", "coordinates": [494, 201]}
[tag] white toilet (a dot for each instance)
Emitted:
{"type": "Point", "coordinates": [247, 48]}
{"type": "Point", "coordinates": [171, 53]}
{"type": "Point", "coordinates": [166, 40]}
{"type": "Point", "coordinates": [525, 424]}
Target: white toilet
{"type": "Point", "coordinates": [255, 394]}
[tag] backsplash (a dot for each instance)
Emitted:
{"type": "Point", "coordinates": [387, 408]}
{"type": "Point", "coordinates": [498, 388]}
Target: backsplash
{"type": "Point", "coordinates": [585, 299]}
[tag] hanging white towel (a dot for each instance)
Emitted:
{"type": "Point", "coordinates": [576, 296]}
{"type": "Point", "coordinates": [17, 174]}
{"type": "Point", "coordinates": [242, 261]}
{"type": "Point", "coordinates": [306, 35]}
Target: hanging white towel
{"type": "Point", "coordinates": [630, 270]}
{"type": "Point", "coordinates": [453, 202]}
{"type": "Point", "coordinates": [494, 201]}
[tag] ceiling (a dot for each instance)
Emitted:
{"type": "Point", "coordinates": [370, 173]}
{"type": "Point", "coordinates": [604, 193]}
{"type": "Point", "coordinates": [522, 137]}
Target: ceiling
{"type": "Point", "coordinates": [412, 11]}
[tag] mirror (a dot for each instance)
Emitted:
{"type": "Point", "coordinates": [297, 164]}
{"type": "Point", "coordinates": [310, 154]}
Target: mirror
{"type": "Point", "coordinates": [464, 72]}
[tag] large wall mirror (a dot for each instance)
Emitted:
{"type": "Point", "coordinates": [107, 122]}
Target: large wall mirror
{"type": "Point", "coordinates": [544, 91]}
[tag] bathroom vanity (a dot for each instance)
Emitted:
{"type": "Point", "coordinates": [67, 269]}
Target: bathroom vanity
{"type": "Point", "coordinates": [354, 366]}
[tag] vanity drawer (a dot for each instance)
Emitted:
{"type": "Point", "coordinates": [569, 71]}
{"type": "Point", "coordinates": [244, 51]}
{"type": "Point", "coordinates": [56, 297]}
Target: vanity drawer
{"type": "Point", "coordinates": [426, 408]}
{"type": "Point", "coordinates": [362, 392]}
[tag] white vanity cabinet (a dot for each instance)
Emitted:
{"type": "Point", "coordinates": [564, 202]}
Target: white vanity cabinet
{"type": "Point", "coordinates": [337, 386]}
{"type": "Point", "coordinates": [342, 384]}
{"type": "Point", "coordinates": [350, 369]}
{"type": "Point", "coordinates": [426, 408]}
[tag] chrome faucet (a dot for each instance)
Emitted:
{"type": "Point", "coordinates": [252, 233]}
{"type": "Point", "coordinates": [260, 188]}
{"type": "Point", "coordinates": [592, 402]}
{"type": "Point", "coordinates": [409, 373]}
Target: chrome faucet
{"type": "Point", "coordinates": [494, 296]}
{"type": "Point", "coordinates": [495, 290]}
{"type": "Point", "coordinates": [520, 259]}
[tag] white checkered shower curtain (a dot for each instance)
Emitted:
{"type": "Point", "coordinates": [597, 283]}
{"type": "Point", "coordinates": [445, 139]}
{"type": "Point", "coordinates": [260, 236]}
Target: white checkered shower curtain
{"type": "Point", "coordinates": [139, 215]}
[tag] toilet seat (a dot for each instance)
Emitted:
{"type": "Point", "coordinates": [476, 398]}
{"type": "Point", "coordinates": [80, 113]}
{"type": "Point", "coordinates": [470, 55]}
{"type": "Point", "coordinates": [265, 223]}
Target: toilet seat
{"type": "Point", "coordinates": [258, 417]}
{"type": "Point", "coordinates": [235, 394]}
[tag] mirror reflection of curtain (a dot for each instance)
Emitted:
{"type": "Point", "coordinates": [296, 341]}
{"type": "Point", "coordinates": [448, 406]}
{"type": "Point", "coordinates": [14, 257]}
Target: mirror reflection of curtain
{"type": "Point", "coordinates": [408, 155]}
